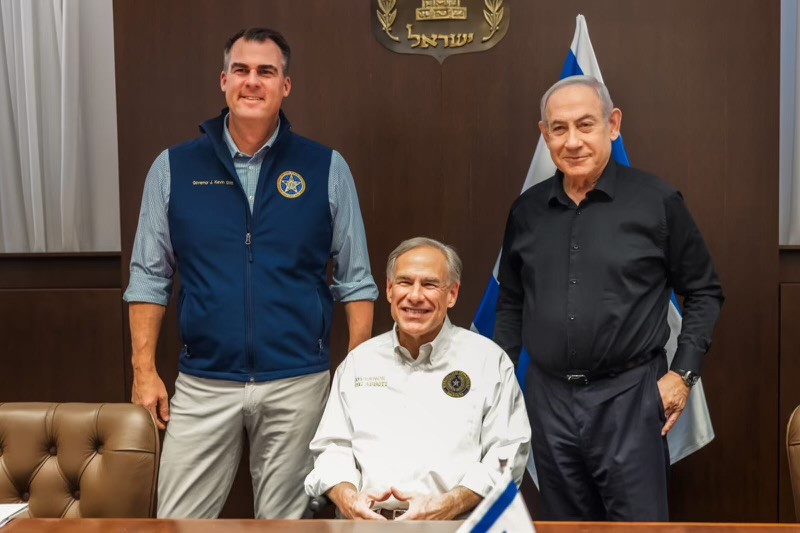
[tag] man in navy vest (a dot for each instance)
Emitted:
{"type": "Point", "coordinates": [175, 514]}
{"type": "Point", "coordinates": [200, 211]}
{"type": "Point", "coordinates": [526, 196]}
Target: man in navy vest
{"type": "Point", "coordinates": [249, 214]}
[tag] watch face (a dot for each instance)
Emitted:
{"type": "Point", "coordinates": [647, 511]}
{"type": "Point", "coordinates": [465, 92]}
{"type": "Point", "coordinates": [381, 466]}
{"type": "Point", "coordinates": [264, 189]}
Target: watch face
{"type": "Point", "coordinates": [688, 377]}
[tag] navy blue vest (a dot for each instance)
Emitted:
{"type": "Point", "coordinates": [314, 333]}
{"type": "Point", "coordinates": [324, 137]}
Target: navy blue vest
{"type": "Point", "coordinates": [254, 301]}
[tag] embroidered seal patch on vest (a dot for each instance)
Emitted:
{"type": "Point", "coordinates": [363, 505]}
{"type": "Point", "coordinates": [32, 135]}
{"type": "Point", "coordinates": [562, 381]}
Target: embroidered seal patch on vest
{"type": "Point", "coordinates": [291, 184]}
{"type": "Point", "coordinates": [456, 384]}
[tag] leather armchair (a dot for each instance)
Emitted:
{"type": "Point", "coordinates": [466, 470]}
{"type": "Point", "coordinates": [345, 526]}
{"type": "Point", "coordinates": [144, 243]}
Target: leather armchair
{"type": "Point", "coordinates": [793, 451]}
{"type": "Point", "coordinates": [74, 460]}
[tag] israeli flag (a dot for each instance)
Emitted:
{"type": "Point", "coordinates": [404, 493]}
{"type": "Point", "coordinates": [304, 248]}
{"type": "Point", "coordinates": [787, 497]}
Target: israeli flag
{"type": "Point", "coordinates": [502, 511]}
{"type": "Point", "coordinates": [693, 429]}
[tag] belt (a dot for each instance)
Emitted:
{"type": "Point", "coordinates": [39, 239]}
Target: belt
{"type": "Point", "coordinates": [390, 514]}
{"type": "Point", "coordinates": [580, 377]}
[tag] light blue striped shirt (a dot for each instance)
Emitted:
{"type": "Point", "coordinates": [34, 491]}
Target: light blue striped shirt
{"type": "Point", "coordinates": [153, 259]}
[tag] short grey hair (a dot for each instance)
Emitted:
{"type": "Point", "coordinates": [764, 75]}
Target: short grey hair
{"type": "Point", "coordinates": [454, 264]}
{"type": "Point", "coordinates": [586, 81]}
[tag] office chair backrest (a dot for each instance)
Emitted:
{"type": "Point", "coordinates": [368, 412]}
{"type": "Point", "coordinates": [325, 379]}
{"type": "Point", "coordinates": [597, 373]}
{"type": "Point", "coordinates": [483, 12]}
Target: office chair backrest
{"type": "Point", "coordinates": [75, 460]}
{"type": "Point", "coordinates": [793, 451]}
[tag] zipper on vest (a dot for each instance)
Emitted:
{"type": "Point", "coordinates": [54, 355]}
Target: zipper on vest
{"type": "Point", "coordinates": [248, 243]}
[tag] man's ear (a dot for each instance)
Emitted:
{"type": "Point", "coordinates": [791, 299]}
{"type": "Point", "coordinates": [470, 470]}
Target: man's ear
{"type": "Point", "coordinates": [615, 122]}
{"type": "Point", "coordinates": [543, 129]}
{"type": "Point", "coordinates": [452, 294]}
{"type": "Point", "coordinates": [389, 290]}
{"type": "Point", "coordinates": [287, 86]}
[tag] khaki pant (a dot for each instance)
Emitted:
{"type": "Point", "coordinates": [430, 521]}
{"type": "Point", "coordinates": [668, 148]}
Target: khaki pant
{"type": "Point", "coordinates": [209, 420]}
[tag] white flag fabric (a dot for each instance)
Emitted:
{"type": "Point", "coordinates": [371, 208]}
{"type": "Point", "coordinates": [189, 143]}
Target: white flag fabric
{"type": "Point", "coordinates": [693, 429]}
{"type": "Point", "coordinates": [502, 511]}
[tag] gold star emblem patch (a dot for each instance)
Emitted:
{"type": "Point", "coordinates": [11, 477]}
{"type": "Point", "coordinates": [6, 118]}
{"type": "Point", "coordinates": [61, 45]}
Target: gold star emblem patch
{"type": "Point", "coordinates": [456, 384]}
{"type": "Point", "coordinates": [291, 184]}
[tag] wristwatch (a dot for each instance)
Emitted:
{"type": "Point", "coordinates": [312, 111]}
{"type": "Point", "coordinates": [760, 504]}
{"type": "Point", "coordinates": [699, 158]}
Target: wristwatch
{"type": "Point", "coordinates": [688, 377]}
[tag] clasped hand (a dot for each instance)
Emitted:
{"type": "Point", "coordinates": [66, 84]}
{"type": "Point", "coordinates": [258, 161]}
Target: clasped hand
{"type": "Point", "coordinates": [358, 505]}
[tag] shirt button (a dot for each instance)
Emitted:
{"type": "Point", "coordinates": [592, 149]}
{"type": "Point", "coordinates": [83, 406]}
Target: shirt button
{"type": "Point", "coordinates": [574, 352]}
{"type": "Point", "coordinates": [572, 317]}
{"type": "Point", "coordinates": [573, 282]}
{"type": "Point", "coordinates": [578, 212]}
{"type": "Point", "coordinates": [574, 246]}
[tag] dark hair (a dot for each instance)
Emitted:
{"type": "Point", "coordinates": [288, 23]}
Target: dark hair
{"type": "Point", "coordinates": [258, 35]}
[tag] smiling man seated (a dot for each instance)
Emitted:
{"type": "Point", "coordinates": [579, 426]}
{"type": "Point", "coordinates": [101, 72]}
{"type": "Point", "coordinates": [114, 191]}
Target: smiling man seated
{"type": "Point", "coordinates": [419, 418]}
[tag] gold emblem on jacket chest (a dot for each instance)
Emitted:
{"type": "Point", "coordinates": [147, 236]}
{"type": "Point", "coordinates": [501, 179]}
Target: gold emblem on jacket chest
{"type": "Point", "coordinates": [291, 184]}
{"type": "Point", "coordinates": [456, 384]}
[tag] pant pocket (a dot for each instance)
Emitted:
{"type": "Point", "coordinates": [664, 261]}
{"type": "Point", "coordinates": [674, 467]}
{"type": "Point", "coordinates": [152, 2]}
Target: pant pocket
{"type": "Point", "coordinates": [658, 369]}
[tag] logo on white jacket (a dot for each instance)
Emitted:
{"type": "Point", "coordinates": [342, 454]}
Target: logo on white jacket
{"type": "Point", "coordinates": [456, 384]}
{"type": "Point", "coordinates": [291, 184]}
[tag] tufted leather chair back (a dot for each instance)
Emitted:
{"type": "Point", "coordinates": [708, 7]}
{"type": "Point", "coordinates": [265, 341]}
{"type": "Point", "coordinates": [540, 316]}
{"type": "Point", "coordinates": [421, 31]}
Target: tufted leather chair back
{"type": "Point", "coordinates": [74, 460]}
{"type": "Point", "coordinates": [793, 450]}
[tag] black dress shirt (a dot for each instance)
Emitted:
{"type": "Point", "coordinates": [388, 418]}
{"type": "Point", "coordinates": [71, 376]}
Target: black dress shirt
{"type": "Point", "coordinates": [587, 287]}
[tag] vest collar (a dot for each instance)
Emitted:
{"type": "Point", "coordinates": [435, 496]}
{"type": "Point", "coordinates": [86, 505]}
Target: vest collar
{"type": "Point", "coordinates": [214, 130]}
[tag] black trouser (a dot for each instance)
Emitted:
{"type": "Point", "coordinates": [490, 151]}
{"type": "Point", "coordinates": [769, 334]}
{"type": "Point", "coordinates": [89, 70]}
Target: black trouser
{"type": "Point", "coordinates": [598, 447]}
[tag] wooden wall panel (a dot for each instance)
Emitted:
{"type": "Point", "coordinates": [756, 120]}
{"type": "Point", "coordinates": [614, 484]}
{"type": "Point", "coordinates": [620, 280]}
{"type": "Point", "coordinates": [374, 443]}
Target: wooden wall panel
{"type": "Point", "coordinates": [789, 264]}
{"type": "Point", "coordinates": [59, 271]}
{"type": "Point", "coordinates": [61, 345]}
{"type": "Point", "coordinates": [443, 150]}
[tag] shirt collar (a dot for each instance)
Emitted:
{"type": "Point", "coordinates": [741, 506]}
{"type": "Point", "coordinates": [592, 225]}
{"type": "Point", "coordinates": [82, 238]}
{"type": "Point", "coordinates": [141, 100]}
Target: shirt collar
{"type": "Point", "coordinates": [234, 150]}
{"type": "Point", "coordinates": [428, 352]}
{"type": "Point", "coordinates": [606, 185]}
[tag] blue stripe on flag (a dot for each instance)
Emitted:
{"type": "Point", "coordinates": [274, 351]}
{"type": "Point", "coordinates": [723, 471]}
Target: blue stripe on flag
{"type": "Point", "coordinates": [522, 367]}
{"type": "Point", "coordinates": [571, 67]}
{"type": "Point", "coordinates": [618, 152]}
{"type": "Point", "coordinates": [484, 319]}
{"type": "Point", "coordinates": [497, 508]}
{"type": "Point", "coordinates": [676, 304]}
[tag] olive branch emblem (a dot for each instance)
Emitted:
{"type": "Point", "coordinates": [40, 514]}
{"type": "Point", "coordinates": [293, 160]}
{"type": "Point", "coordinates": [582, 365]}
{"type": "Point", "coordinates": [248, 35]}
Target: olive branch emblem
{"type": "Point", "coordinates": [386, 14]}
{"type": "Point", "coordinates": [493, 15]}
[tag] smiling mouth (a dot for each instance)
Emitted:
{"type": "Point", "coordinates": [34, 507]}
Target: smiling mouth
{"type": "Point", "coordinates": [252, 98]}
{"type": "Point", "coordinates": [415, 312]}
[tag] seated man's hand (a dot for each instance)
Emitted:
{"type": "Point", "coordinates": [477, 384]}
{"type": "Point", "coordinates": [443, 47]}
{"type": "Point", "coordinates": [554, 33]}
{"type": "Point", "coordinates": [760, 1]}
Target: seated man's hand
{"type": "Point", "coordinates": [356, 505]}
{"type": "Point", "coordinates": [445, 506]}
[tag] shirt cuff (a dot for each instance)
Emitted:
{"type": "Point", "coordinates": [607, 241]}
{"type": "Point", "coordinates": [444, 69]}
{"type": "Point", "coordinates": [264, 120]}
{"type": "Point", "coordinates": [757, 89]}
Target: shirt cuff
{"type": "Point", "coordinates": [146, 288]}
{"type": "Point", "coordinates": [480, 479]}
{"type": "Point", "coordinates": [327, 475]}
{"type": "Point", "coordinates": [352, 292]}
{"type": "Point", "coordinates": [688, 357]}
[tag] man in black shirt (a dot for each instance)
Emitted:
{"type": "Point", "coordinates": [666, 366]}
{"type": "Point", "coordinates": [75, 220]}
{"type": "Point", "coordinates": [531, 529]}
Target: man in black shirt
{"type": "Point", "coordinates": [590, 258]}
